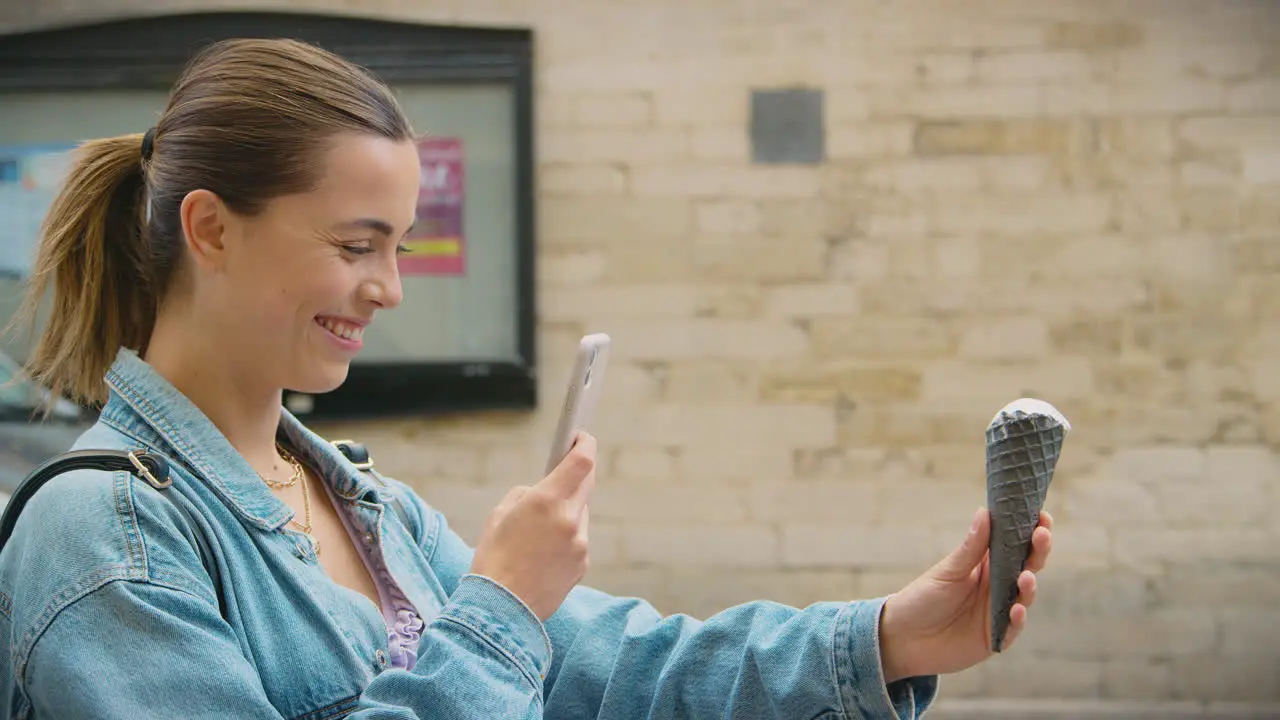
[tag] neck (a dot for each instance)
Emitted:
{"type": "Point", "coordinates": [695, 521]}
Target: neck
{"type": "Point", "coordinates": [247, 414]}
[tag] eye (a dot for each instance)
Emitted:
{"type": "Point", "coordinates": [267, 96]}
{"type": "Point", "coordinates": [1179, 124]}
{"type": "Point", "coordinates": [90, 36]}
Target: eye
{"type": "Point", "coordinates": [363, 248]}
{"type": "Point", "coordinates": [402, 249]}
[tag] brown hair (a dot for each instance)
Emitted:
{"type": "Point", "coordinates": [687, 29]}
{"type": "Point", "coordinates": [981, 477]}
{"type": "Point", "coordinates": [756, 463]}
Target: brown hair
{"type": "Point", "coordinates": [245, 120]}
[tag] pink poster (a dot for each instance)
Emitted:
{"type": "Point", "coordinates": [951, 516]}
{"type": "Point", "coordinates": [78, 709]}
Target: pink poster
{"type": "Point", "coordinates": [436, 245]}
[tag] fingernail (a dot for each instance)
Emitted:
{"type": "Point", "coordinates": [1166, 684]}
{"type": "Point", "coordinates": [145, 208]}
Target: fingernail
{"type": "Point", "coordinates": [977, 519]}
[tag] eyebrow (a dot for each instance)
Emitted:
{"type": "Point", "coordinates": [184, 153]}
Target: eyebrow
{"type": "Point", "coordinates": [379, 226]}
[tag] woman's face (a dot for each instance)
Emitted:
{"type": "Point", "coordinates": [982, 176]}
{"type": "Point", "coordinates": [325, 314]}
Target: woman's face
{"type": "Point", "coordinates": [301, 281]}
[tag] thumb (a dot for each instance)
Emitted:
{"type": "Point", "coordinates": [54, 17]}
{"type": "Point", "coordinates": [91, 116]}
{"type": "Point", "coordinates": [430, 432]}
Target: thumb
{"type": "Point", "coordinates": [962, 560]}
{"type": "Point", "coordinates": [566, 480]}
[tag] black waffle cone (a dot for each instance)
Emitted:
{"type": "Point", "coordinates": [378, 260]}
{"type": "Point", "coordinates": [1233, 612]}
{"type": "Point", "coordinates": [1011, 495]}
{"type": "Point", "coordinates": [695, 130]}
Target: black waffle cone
{"type": "Point", "coordinates": [1022, 451]}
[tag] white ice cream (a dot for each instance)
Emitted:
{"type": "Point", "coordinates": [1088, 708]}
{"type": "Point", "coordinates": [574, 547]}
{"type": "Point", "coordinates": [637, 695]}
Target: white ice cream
{"type": "Point", "coordinates": [1023, 407]}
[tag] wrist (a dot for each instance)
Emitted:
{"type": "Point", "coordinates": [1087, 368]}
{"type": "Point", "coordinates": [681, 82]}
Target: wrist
{"type": "Point", "coordinates": [893, 661]}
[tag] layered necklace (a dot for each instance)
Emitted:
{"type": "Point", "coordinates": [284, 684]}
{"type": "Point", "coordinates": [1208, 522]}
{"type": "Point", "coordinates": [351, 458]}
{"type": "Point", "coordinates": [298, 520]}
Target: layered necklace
{"type": "Point", "coordinates": [294, 479]}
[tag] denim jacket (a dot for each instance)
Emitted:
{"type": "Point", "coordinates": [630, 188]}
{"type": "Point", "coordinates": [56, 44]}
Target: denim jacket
{"type": "Point", "coordinates": [107, 611]}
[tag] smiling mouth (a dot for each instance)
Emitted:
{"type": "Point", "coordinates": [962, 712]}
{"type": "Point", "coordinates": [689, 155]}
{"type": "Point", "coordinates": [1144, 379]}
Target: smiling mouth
{"type": "Point", "coordinates": [341, 329]}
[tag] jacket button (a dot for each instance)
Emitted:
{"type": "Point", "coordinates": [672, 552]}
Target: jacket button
{"type": "Point", "coordinates": [368, 538]}
{"type": "Point", "coordinates": [382, 658]}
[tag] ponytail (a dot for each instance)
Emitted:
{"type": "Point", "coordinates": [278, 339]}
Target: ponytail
{"type": "Point", "coordinates": [92, 254]}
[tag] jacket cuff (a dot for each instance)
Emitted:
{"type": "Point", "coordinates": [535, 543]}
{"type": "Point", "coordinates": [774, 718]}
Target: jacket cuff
{"type": "Point", "coordinates": [504, 621]}
{"type": "Point", "coordinates": [860, 672]}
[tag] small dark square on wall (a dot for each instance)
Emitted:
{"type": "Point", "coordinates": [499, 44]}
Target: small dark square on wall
{"type": "Point", "coordinates": [787, 126]}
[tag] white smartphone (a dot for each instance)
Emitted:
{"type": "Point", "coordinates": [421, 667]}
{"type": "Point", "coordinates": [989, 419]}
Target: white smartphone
{"type": "Point", "coordinates": [582, 395]}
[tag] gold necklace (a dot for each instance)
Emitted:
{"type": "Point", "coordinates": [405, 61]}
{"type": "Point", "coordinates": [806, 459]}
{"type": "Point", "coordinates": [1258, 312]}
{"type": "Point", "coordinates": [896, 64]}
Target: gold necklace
{"type": "Point", "coordinates": [298, 474]}
{"type": "Point", "coordinates": [306, 528]}
{"type": "Point", "coordinates": [293, 479]}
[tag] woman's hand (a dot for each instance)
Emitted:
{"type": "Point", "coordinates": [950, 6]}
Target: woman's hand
{"type": "Point", "coordinates": [535, 541]}
{"type": "Point", "coordinates": [941, 622]}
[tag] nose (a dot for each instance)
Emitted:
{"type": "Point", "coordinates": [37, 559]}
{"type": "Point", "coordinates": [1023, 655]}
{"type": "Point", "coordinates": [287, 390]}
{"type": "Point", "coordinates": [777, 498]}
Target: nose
{"type": "Point", "coordinates": [383, 288]}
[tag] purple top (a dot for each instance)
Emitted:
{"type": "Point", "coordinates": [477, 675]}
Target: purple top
{"type": "Point", "coordinates": [404, 626]}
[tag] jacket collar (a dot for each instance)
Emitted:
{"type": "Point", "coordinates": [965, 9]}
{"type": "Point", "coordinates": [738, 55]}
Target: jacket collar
{"type": "Point", "coordinates": [147, 407]}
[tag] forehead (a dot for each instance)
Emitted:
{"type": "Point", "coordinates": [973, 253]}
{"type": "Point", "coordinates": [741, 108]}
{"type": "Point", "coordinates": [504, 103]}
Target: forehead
{"type": "Point", "coordinates": [370, 175]}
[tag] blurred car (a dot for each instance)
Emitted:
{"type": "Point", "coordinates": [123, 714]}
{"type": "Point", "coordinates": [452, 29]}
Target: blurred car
{"type": "Point", "coordinates": [27, 439]}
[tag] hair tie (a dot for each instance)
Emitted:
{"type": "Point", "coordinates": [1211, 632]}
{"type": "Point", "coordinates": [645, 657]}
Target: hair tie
{"type": "Point", "coordinates": [148, 143]}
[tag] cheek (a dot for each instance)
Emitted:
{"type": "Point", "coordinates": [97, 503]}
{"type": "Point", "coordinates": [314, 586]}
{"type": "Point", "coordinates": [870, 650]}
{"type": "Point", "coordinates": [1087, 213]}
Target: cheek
{"type": "Point", "coordinates": [324, 289]}
{"type": "Point", "coordinates": [311, 280]}
{"type": "Point", "coordinates": [278, 302]}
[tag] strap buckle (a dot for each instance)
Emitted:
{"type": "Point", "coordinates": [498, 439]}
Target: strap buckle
{"type": "Point", "coordinates": [355, 452]}
{"type": "Point", "coordinates": [135, 457]}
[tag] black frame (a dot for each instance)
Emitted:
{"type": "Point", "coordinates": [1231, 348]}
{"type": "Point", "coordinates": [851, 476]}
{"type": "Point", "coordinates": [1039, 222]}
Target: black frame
{"type": "Point", "coordinates": [149, 52]}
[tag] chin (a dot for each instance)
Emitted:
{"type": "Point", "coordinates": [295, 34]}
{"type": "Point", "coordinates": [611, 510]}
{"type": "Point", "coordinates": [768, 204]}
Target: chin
{"type": "Point", "coordinates": [323, 379]}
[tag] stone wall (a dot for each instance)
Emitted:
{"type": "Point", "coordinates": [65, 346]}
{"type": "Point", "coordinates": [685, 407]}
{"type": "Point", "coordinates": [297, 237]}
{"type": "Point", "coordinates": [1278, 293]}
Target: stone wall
{"type": "Point", "coordinates": [1078, 201]}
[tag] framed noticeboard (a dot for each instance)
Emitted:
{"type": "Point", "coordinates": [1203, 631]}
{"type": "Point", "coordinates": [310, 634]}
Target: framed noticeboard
{"type": "Point", "coordinates": [464, 337]}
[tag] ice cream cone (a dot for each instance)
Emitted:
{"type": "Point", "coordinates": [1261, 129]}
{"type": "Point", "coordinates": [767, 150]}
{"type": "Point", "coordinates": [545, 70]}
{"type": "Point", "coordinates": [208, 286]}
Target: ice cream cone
{"type": "Point", "coordinates": [1023, 442]}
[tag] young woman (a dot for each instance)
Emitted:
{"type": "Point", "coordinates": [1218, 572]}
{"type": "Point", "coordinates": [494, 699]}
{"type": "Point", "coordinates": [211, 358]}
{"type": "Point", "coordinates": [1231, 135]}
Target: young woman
{"type": "Point", "coordinates": [240, 247]}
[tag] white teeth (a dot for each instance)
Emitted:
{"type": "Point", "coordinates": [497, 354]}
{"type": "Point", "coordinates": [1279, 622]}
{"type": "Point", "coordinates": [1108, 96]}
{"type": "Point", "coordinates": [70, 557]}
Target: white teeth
{"type": "Point", "coordinates": [341, 329]}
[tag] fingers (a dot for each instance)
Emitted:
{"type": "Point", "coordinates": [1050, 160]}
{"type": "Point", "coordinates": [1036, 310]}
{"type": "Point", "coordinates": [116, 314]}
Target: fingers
{"type": "Point", "coordinates": [1041, 546]}
{"type": "Point", "coordinates": [1046, 520]}
{"type": "Point", "coordinates": [1017, 622]}
{"type": "Point", "coordinates": [966, 557]}
{"type": "Point", "coordinates": [576, 470]}
{"type": "Point", "coordinates": [583, 536]}
{"type": "Point", "coordinates": [587, 485]}
{"type": "Point", "coordinates": [1027, 589]}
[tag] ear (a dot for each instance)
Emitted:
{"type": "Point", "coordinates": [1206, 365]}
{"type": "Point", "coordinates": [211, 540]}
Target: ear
{"type": "Point", "coordinates": [204, 228]}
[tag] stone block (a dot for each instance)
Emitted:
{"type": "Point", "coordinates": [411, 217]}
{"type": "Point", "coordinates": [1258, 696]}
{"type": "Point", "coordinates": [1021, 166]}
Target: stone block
{"type": "Point", "coordinates": [869, 139]}
{"type": "Point", "coordinates": [1098, 35]}
{"type": "Point", "coordinates": [806, 544]}
{"type": "Point", "coordinates": [727, 217]}
{"type": "Point", "coordinates": [1014, 338]}
{"type": "Point", "coordinates": [653, 146]}
{"type": "Point", "coordinates": [1240, 679]}
{"type": "Point", "coordinates": [597, 303]}
{"type": "Point", "coordinates": [805, 300]}
{"type": "Point", "coordinates": [1033, 66]}
{"type": "Point", "coordinates": [590, 180]}
{"type": "Point", "coordinates": [658, 339]}
{"type": "Point", "coordinates": [1251, 634]}
{"type": "Point", "coordinates": [613, 109]}
{"type": "Point", "coordinates": [712, 381]}
{"type": "Point", "coordinates": [873, 338]}
{"type": "Point", "coordinates": [586, 219]}
{"type": "Point", "coordinates": [640, 463]}
{"type": "Point", "coordinates": [735, 460]}
{"type": "Point", "coordinates": [798, 501]}
{"type": "Point", "coordinates": [1019, 674]}
{"type": "Point", "coordinates": [743, 259]}
{"type": "Point", "coordinates": [806, 382]}
{"type": "Point", "coordinates": [658, 541]}
{"type": "Point", "coordinates": [659, 498]}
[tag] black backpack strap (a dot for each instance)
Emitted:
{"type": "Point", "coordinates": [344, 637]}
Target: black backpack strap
{"type": "Point", "coordinates": [150, 467]}
{"type": "Point", "coordinates": [359, 456]}
{"type": "Point", "coordinates": [154, 469]}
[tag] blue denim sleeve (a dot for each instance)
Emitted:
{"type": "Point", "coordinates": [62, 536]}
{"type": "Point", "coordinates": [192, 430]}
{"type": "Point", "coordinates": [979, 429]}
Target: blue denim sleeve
{"type": "Point", "coordinates": [618, 658]}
